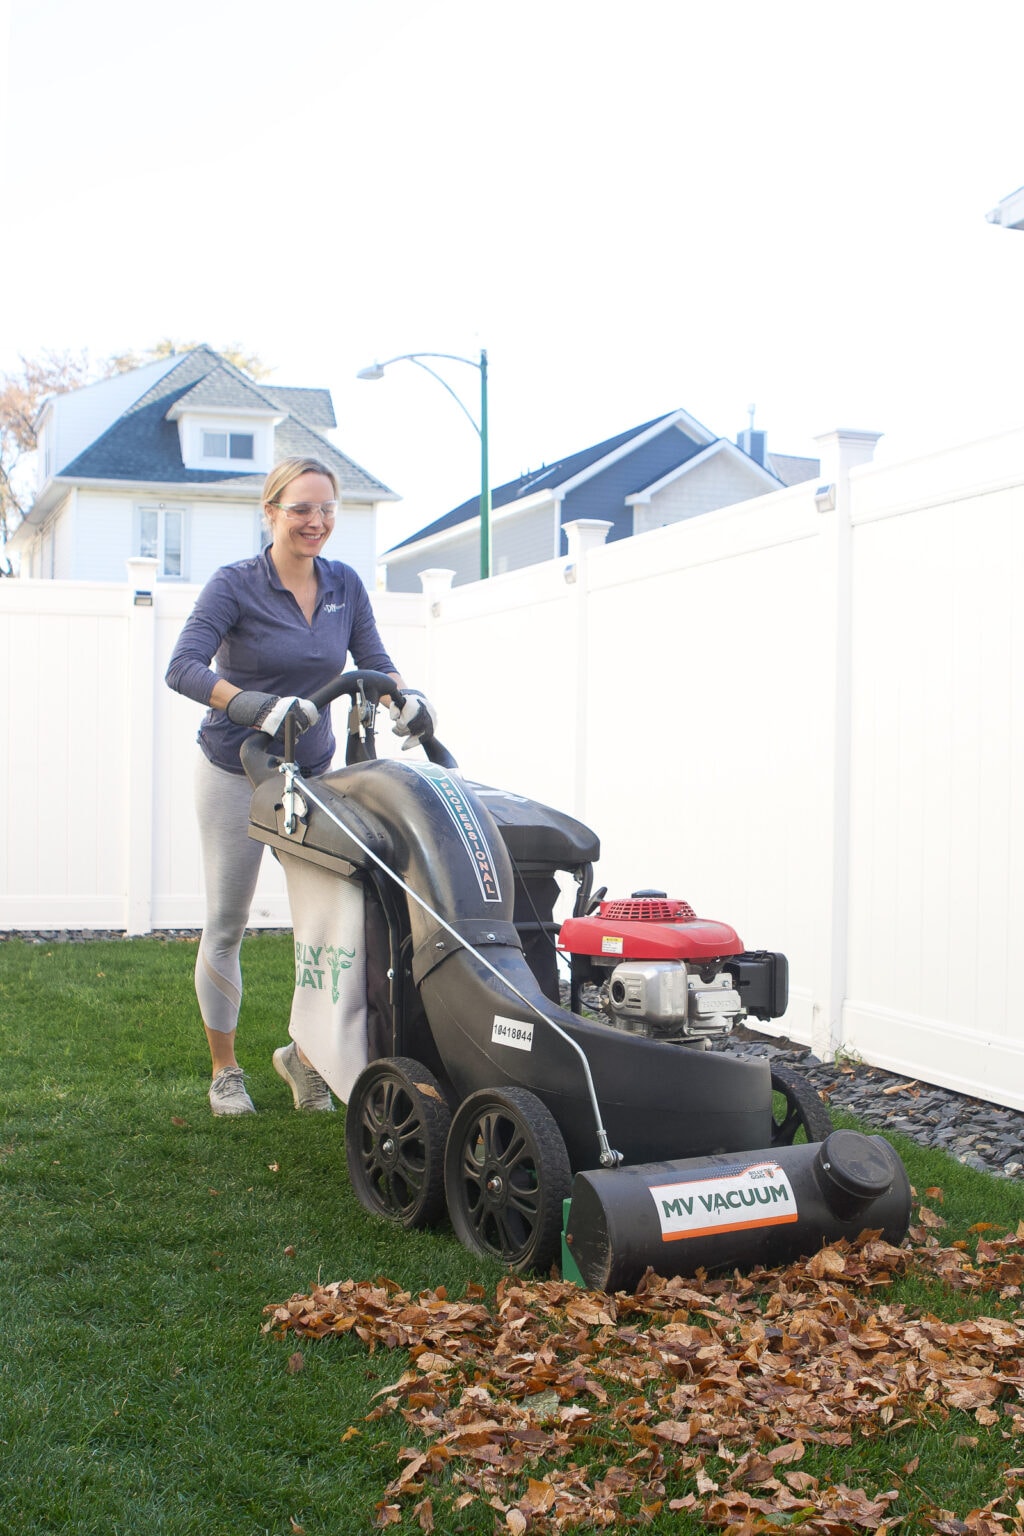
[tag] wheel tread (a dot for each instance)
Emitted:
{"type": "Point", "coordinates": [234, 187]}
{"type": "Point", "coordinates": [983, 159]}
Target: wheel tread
{"type": "Point", "coordinates": [425, 1120]}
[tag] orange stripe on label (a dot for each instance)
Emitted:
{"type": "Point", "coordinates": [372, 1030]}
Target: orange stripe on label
{"type": "Point", "coordinates": [731, 1226]}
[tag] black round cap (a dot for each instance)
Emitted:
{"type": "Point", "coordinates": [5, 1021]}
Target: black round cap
{"type": "Point", "coordinates": [858, 1165]}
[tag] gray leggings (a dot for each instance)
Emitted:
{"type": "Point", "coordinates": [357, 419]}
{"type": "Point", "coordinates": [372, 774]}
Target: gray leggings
{"type": "Point", "coordinates": [231, 866]}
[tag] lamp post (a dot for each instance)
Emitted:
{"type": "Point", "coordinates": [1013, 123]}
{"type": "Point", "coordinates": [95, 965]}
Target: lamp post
{"type": "Point", "coordinates": [376, 371]}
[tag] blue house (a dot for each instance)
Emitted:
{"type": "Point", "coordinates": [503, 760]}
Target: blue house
{"type": "Point", "coordinates": [658, 473]}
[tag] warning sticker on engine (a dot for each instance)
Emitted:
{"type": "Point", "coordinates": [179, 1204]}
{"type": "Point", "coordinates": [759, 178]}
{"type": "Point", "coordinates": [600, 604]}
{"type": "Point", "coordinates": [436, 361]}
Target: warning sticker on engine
{"type": "Point", "coordinates": [512, 1032]}
{"type": "Point", "coordinates": [757, 1196]}
{"type": "Point", "coordinates": [611, 944]}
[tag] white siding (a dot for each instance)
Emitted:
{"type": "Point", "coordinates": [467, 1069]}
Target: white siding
{"type": "Point", "coordinates": [522, 540]}
{"type": "Point", "coordinates": [93, 533]}
{"type": "Point", "coordinates": [518, 539]}
{"type": "Point", "coordinates": [460, 554]}
{"type": "Point", "coordinates": [102, 532]}
{"type": "Point", "coordinates": [58, 542]}
{"type": "Point", "coordinates": [100, 528]}
{"type": "Point", "coordinates": [79, 418]}
{"type": "Point", "coordinates": [718, 482]}
{"type": "Point", "coordinates": [355, 540]}
{"type": "Point", "coordinates": [220, 533]}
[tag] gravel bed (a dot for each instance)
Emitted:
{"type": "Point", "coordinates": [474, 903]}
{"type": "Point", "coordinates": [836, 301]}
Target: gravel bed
{"type": "Point", "coordinates": [975, 1132]}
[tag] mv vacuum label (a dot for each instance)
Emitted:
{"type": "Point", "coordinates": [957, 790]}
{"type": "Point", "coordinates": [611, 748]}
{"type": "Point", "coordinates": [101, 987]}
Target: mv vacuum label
{"type": "Point", "coordinates": [757, 1196]}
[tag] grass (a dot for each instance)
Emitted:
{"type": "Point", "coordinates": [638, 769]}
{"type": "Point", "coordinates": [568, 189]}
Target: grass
{"type": "Point", "coordinates": [141, 1239]}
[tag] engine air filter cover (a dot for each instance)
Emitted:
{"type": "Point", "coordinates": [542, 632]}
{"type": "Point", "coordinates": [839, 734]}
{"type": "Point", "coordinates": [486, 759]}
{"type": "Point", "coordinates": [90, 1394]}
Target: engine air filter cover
{"type": "Point", "coordinates": [648, 927]}
{"type": "Point", "coordinates": [649, 909]}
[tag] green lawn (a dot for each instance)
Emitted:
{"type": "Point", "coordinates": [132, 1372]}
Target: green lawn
{"type": "Point", "coordinates": [141, 1241]}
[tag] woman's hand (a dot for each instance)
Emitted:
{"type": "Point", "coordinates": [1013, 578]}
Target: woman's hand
{"type": "Point", "coordinates": [268, 711]}
{"type": "Point", "coordinates": [416, 718]}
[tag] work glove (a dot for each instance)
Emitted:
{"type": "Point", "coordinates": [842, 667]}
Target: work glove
{"type": "Point", "coordinates": [268, 711]}
{"type": "Point", "coordinates": [417, 717]}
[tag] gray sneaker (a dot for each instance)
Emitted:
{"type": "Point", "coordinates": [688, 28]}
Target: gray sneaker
{"type": "Point", "coordinates": [308, 1088]}
{"type": "Point", "coordinates": [228, 1095]}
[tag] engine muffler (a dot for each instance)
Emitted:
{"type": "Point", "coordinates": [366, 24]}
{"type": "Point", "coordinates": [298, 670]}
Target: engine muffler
{"type": "Point", "coordinates": [733, 1210]}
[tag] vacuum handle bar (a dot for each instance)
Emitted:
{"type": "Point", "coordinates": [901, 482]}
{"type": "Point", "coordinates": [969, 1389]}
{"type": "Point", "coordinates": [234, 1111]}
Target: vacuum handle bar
{"type": "Point", "coordinates": [374, 685]}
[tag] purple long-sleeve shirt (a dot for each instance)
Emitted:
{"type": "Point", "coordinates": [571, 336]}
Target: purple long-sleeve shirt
{"type": "Point", "coordinates": [250, 626]}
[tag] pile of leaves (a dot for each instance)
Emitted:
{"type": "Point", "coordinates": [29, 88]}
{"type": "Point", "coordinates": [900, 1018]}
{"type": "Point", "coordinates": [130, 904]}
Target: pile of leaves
{"type": "Point", "coordinates": [561, 1407]}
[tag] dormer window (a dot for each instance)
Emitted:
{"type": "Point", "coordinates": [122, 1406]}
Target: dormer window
{"type": "Point", "coordinates": [229, 445]}
{"type": "Point", "coordinates": [224, 426]}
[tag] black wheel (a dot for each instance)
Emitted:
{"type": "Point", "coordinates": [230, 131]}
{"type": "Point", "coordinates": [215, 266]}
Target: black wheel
{"type": "Point", "coordinates": [396, 1127]}
{"type": "Point", "coordinates": [798, 1115]}
{"type": "Point", "coordinates": [506, 1174]}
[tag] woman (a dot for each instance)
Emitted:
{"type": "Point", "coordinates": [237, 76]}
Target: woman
{"type": "Point", "coordinates": [277, 627]}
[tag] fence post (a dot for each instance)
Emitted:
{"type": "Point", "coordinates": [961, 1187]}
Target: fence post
{"type": "Point", "coordinates": [840, 452]}
{"type": "Point", "coordinates": [140, 721]}
{"type": "Point", "coordinates": [581, 536]}
{"type": "Point", "coordinates": [436, 583]}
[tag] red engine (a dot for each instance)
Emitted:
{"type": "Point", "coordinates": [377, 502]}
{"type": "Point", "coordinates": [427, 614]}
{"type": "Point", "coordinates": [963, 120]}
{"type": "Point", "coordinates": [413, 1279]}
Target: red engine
{"type": "Point", "coordinates": [659, 969]}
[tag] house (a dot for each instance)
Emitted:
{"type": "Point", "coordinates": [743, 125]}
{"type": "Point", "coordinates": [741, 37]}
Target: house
{"type": "Point", "coordinates": [657, 473]}
{"type": "Point", "coordinates": [1009, 213]}
{"type": "Point", "coordinates": [168, 461]}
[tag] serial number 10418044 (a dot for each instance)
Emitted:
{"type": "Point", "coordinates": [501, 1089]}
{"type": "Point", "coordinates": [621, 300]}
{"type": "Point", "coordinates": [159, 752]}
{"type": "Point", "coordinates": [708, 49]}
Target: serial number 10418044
{"type": "Point", "coordinates": [512, 1032]}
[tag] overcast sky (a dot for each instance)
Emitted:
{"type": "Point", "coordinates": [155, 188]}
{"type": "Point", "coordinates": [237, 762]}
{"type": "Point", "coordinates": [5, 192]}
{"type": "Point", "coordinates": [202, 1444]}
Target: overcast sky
{"type": "Point", "coordinates": [633, 207]}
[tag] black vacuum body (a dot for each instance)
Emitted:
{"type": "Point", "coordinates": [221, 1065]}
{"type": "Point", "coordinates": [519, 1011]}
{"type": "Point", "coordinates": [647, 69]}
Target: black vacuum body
{"type": "Point", "coordinates": [486, 1095]}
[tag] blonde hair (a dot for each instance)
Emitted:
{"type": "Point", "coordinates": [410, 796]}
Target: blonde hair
{"type": "Point", "coordinates": [283, 474]}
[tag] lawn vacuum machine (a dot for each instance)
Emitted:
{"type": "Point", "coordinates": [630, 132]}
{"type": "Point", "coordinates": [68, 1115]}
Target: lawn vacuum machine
{"type": "Point", "coordinates": [428, 996]}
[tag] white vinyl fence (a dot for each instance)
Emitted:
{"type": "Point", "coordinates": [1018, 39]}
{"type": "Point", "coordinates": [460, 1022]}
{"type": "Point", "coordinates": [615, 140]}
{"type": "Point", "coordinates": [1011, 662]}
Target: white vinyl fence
{"type": "Point", "coordinates": [802, 714]}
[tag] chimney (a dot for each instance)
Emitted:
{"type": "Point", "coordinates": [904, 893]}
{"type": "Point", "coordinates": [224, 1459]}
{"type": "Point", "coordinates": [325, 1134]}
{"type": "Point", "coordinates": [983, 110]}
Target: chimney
{"type": "Point", "coordinates": [753, 442]}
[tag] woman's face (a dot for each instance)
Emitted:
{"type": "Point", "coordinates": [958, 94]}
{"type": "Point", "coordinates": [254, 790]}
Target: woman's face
{"type": "Point", "coordinates": [296, 527]}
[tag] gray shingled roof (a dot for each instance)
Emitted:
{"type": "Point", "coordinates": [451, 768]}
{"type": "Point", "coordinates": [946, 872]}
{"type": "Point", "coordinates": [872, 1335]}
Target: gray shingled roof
{"type": "Point", "coordinates": [792, 469]}
{"type": "Point", "coordinates": [313, 406]}
{"type": "Point", "coordinates": [143, 444]}
{"type": "Point", "coordinates": [221, 390]}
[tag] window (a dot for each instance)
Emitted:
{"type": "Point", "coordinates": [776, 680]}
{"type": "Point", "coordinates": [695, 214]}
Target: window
{"type": "Point", "coordinates": [161, 537]}
{"type": "Point", "coordinates": [229, 445]}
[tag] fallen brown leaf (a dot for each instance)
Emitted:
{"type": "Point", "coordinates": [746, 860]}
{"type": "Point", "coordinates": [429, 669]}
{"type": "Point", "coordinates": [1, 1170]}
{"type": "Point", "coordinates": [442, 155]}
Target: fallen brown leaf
{"type": "Point", "coordinates": [708, 1389]}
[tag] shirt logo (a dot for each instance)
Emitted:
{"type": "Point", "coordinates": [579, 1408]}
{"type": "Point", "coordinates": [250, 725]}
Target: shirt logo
{"type": "Point", "coordinates": [333, 607]}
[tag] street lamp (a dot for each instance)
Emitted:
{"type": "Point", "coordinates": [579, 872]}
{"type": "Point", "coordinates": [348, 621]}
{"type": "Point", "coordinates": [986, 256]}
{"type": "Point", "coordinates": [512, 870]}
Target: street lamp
{"type": "Point", "coordinates": [376, 371]}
